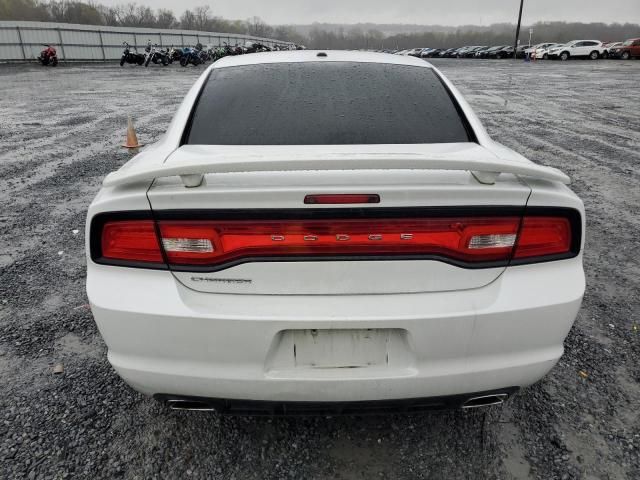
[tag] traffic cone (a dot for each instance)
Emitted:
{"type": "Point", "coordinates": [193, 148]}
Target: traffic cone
{"type": "Point", "coordinates": [132, 138]}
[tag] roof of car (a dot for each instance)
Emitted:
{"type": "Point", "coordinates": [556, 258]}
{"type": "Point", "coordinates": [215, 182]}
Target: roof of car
{"type": "Point", "coordinates": [295, 56]}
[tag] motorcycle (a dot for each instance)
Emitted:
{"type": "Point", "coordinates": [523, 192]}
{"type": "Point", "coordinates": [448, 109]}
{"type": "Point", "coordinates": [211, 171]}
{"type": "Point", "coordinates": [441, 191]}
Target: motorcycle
{"type": "Point", "coordinates": [49, 56]}
{"type": "Point", "coordinates": [190, 55]}
{"type": "Point", "coordinates": [156, 55]}
{"type": "Point", "coordinates": [130, 56]}
{"type": "Point", "coordinates": [175, 54]}
{"type": "Point", "coordinates": [255, 48]}
{"type": "Point", "coordinates": [202, 53]}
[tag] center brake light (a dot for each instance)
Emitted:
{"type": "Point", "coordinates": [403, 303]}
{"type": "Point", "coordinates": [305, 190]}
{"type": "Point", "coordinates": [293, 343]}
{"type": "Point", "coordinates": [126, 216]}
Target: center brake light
{"type": "Point", "coordinates": [216, 244]}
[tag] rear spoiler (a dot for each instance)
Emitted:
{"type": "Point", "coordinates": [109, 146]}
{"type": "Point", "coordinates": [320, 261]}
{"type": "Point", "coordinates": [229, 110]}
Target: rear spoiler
{"type": "Point", "coordinates": [192, 172]}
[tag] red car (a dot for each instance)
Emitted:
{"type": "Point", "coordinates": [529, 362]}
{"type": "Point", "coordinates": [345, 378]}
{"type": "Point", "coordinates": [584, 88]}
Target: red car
{"type": "Point", "coordinates": [629, 49]}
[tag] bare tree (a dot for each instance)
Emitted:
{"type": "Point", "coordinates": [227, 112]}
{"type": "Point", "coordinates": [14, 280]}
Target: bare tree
{"type": "Point", "coordinates": [188, 20]}
{"type": "Point", "coordinates": [202, 18]}
{"type": "Point", "coordinates": [256, 26]}
{"type": "Point", "coordinates": [165, 19]}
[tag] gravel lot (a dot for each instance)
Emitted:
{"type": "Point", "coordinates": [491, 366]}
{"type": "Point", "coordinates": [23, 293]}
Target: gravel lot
{"type": "Point", "coordinates": [60, 134]}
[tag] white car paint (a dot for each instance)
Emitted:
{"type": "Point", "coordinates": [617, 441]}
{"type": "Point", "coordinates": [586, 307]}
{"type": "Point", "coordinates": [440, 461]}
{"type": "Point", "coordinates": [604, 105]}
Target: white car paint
{"type": "Point", "coordinates": [449, 330]}
{"type": "Point", "coordinates": [578, 49]}
{"type": "Point", "coordinates": [543, 52]}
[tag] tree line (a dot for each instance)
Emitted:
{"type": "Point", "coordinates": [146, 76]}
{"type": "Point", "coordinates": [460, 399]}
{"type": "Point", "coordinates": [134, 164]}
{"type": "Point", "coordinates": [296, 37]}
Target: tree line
{"type": "Point", "coordinates": [318, 36]}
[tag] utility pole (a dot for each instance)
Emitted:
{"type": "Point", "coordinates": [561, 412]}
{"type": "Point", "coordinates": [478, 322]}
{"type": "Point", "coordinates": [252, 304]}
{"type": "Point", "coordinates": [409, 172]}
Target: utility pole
{"type": "Point", "coordinates": [515, 46]}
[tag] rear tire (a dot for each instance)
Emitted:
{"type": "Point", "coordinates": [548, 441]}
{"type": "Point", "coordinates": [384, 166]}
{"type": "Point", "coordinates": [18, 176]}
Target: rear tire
{"type": "Point", "coordinates": [140, 61]}
{"type": "Point", "coordinates": [183, 62]}
{"type": "Point", "coordinates": [54, 62]}
{"type": "Point", "coordinates": [122, 59]}
{"type": "Point", "coordinates": [545, 56]}
{"type": "Point", "coordinates": [564, 56]}
{"type": "Point", "coordinates": [625, 56]}
{"type": "Point", "coordinates": [594, 55]}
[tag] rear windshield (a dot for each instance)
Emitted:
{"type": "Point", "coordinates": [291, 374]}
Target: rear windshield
{"type": "Point", "coordinates": [325, 103]}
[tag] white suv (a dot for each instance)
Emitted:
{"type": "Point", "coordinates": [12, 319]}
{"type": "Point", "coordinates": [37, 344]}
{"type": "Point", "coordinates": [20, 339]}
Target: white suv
{"type": "Point", "coordinates": [299, 242]}
{"type": "Point", "coordinates": [592, 49]}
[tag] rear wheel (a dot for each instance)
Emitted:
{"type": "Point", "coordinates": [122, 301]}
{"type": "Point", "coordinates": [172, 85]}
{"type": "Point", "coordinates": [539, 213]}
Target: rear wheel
{"type": "Point", "coordinates": [594, 55]}
{"type": "Point", "coordinates": [122, 59]}
{"type": "Point", "coordinates": [44, 61]}
{"type": "Point", "coordinates": [54, 62]}
{"type": "Point", "coordinates": [184, 61]}
{"type": "Point", "coordinates": [564, 56]}
{"type": "Point", "coordinates": [545, 56]}
{"type": "Point", "coordinates": [625, 56]}
{"type": "Point", "coordinates": [140, 60]}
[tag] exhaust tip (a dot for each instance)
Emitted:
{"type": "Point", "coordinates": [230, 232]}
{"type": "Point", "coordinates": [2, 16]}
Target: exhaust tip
{"type": "Point", "coordinates": [486, 400]}
{"type": "Point", "coordinates": [192, 405]}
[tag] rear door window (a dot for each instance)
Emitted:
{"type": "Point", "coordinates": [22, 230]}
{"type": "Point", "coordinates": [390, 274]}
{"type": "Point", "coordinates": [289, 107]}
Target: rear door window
{"type": "Point", "coordinates": [325, 103]}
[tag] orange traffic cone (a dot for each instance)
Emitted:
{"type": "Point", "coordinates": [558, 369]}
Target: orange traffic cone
{"type": "Point", "coordinates": [132, 138]}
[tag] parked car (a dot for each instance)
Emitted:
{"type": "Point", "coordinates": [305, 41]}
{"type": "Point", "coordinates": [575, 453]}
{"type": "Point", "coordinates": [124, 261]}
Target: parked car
{"type": "Point", "coordinates": [491, 52]}
{"type": "Point", "coordinates": [481, 52]}
{"type": "Point", "coordinates": [424, 53]}
{"type": "Point", "coordinates": [447, 53]}
{"type": "Point", "coordinates": [543, 52]}
{"type": "Point", "coordinates": [610, 45]}
{"type": "Point", "coordinates": [291, 262]}
{"type": "Point", "coordinates": [470, 52]}
{"type": "Point", "coordinates": [628, 49]}
{"type": "Point", "coordinates": [532, 51]}
{"type": "Point", "coordinates": [505, 52]}
{"type": "Point", "coordinates": [592, 49]}
{"type": "Point", "coordinates": [415, 52]}
{"type": "Point", "coordinates": [520, 51]}
{"type": "Point", "coordinates": [462, 52]}
{"type": "Point", "coordinates": [431, 53]}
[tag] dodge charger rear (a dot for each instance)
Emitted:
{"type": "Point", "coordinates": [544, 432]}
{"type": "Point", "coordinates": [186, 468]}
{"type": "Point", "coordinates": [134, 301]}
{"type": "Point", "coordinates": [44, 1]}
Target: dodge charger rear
{"type": "Point", "coordinates": [332, 232]}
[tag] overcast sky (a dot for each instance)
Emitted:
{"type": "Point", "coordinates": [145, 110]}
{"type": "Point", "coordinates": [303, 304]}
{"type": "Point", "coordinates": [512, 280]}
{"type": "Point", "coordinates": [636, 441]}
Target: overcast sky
{"type": "Point", "coordinates": [444, 12]}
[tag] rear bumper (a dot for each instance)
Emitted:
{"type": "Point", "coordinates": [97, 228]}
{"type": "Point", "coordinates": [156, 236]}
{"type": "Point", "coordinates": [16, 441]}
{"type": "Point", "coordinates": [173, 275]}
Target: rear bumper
{"type": "Point", "coordinates": [259, 407]}
{"type": "Point", "coordinates": [164, 338]}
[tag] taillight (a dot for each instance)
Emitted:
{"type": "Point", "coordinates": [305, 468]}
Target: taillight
{"type": "Point", "coordinates": [543, 236]}
{"type": "Point", "coordinates": [133, 240]}
{"type": "Point", "coordinates": [219, 242]}
{"type": "Point", "coordinates": [214, 244]}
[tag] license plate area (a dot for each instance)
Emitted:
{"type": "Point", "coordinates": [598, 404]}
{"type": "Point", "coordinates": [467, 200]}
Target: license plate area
{"type": "Point", "coordinates": [332, 350]}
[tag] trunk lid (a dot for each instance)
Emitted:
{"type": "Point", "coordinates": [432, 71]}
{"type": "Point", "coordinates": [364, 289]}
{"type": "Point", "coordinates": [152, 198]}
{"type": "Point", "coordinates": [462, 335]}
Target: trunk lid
{"type": "Point", "coordinates": [267, 196]}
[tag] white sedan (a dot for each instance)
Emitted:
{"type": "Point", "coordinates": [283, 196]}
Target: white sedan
{"type": "Point", "coordinates": [332, 232]}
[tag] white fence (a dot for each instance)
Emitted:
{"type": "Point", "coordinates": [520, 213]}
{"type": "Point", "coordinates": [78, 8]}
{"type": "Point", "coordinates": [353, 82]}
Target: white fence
{"type": "Point", "coordinates": [25, 40]}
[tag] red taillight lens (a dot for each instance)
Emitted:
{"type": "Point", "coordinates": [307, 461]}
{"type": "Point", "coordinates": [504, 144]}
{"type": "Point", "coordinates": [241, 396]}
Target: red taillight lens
{"type": "Point", "coordinates": [133, 240]}
{"type": "Point", "coordinates": [217, 242]}
{"type": "Point", "coordinates": [542, 236]}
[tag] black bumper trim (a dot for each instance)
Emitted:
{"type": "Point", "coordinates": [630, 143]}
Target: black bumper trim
{"type": "Point", "coordinates": [310, 408]}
